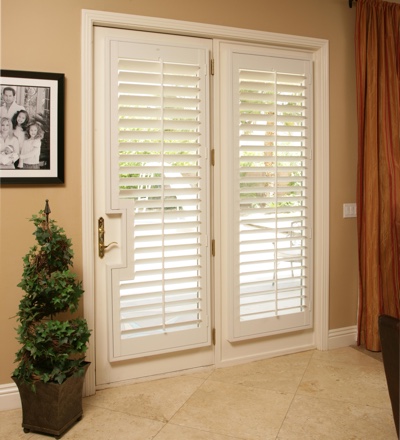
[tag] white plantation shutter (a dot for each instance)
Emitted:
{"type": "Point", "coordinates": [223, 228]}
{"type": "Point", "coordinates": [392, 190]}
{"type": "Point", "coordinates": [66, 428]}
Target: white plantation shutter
{"type": "Point", "coordinates": [160, 168]}
{"type": "Point", "coordinates": [271, 195]}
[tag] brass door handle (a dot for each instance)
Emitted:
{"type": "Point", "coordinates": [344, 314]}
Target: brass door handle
{"type": "Point", "coordinates": [101, 232]}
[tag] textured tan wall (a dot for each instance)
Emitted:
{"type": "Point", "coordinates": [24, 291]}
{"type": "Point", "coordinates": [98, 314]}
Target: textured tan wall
{"type": "Point", "coordinates": [44, 36]}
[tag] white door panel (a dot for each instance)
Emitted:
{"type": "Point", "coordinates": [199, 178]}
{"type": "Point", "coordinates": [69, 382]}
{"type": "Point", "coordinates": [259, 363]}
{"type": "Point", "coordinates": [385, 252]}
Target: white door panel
{"type": "Point", "coordinates": [151, 177]}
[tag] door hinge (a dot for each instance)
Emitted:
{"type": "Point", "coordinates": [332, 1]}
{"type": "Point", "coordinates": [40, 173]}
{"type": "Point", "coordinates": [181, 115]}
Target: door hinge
{"type": "Point", "coordinates": [213, 247]}
{"type": "Point", "coordinates": [213, 157]}
{"type": "Point", "coordinates": [212, 66]}
{"type": "Point", "coordinates": [213, 336]}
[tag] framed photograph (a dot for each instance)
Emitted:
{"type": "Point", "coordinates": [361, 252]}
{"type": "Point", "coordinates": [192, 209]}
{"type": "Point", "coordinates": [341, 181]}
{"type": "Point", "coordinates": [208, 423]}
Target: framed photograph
{"type": "Point", "coordinates": [32, 127]}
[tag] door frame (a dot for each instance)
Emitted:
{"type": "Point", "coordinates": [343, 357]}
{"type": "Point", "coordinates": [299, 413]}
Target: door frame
{"type": "Point", "coordinates": [320, 50]}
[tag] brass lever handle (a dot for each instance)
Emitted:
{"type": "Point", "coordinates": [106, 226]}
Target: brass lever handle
{"type": "Point", "coordinates": [101, 232]}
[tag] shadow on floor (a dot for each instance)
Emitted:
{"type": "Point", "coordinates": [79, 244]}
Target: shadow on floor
{"type": "Point", "coordinates": [374, 354]}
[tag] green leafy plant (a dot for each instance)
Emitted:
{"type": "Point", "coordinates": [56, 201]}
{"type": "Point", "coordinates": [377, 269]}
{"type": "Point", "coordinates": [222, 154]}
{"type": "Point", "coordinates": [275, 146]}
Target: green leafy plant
{"type": "Point", "coordinates": [52, 349]}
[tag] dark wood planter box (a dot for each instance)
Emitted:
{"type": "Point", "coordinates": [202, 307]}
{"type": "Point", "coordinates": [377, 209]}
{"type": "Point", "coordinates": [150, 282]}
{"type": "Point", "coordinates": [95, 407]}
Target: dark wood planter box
{"type": "Point", "coordinates": [52, 408]}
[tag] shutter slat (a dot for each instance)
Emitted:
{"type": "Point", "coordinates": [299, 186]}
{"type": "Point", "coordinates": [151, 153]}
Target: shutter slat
{"type": "Point", "coordinates": [152, 162]}
{"type": "Point", "coordinates": [256, 137]}
{"type": "Point", "coordinates": [127, 296]}
{"type": "Point", "coordinates": [157, 124]}
{"type": "Point", "coordinates": [166, 283]}
{"type": "Point", "coordinates": [138, 114]}
{"type": "Point", "coordinates": [125, 148]}
{"type": "Point", "coordinates": [158, 329]}
{"type": "Point", "coordinates": [194, 302]}
{"type": "Point", "coordinates": [271, 128]}
{"type": "Point", "coordinates": [294, 110]}
{"type": "Point", "coordinates": [176, 237]}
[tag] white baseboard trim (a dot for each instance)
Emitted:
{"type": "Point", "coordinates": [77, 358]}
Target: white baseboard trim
{"type": "Point", "coordinates": [9, 397]}
{"type": "Point", "coordinates": [342, 337]}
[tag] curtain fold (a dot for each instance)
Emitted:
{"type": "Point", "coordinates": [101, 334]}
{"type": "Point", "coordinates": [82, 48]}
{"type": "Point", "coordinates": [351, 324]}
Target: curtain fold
{"type": "Point", "coordinates": [377, 43]}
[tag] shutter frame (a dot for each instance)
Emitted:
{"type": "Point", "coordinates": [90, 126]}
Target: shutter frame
{"type": "Point", "coordinates": [160, 163]}
{"type": "Point", "coordinates": [259, 121]}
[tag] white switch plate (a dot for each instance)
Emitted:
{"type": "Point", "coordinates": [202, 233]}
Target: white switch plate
{"type": "Point", "coordinates": [349, 210]}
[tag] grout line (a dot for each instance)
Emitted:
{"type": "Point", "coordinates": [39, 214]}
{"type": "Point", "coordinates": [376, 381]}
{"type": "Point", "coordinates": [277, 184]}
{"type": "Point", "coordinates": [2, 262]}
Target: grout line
{"type": "Point", "coordinates": [191, 395]}
{"type": "Point", "coordinates": [202, 431]}
{"type": "Point", "coordinates": [294, 395]}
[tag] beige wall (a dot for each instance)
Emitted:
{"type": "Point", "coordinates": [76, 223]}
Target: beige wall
{"type": "Point", "coordinates": [44, 36]}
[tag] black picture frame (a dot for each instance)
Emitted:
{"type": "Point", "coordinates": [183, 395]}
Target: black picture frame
{"type": "Point", "coordinates": [41, 97]}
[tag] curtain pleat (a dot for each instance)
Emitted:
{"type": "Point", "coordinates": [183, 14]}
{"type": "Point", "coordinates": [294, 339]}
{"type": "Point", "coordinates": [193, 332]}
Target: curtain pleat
{"type": "Point", "coordinates": [377, 43]}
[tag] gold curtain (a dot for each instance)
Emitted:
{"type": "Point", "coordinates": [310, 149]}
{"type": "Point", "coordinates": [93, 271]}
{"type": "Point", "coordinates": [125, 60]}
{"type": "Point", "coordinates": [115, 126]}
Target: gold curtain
{"type": "Point", "coordinates": [377, 43]}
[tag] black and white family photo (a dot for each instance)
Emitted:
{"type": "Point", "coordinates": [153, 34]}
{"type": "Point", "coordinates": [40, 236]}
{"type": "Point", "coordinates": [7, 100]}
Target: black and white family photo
{"type": "Point", "coordinates": [31, 127]}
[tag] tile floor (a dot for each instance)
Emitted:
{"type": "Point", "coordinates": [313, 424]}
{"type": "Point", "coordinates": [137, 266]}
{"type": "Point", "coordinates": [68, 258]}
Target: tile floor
{"type": "Point", "coordinates": [339, 394]}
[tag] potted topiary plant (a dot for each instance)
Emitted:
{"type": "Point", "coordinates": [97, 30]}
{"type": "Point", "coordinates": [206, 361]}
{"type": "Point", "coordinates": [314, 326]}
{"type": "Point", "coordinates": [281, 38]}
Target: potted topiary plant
{"type": "Point", "coordinates": [51, 361]}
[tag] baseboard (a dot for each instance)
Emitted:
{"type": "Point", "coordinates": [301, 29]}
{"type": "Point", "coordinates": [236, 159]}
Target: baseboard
{"type": "Point", "coordinates": [9, 397]}
{"type": "Point", "coordinates": [342, 337]}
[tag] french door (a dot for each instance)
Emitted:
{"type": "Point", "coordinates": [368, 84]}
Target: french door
{"type": "Point", "coordinates": [160, 199]}
{"type": "Point", "coordinates": [152, 203]}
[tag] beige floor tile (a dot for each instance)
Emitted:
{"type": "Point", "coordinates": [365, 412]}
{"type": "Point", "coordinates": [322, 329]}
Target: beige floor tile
{"type": "Point", "coordinates": [348, 382]}
{"type": "Point", "coordinates": [157, 400]}
{"type": "Point", "coordinates": [279, 374]}
{"type": "Point", "coordinates": [339, 395]}
{"type": "Point", "coordinates": [102, 424]}
{"type": "Point", "coordinates": [347, 355]}
{"type": "Point", "coordinates": [322, 419]}
{"type": "Point", "coordinates": [10, 426]}
{"type": "Point", "coordinates": [235, 410]}
{"type": "Point", "coordinates": [175, 432]}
